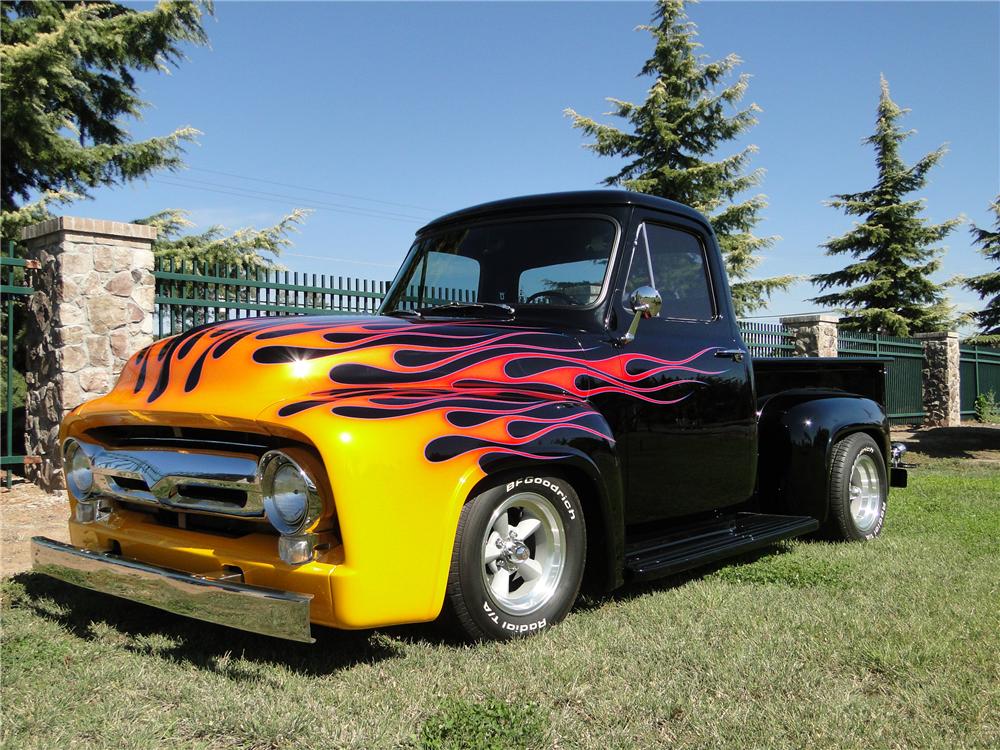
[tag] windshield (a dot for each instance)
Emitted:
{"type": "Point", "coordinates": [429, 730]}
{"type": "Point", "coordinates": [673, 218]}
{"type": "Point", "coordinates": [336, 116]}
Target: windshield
{"type": "Point", "coordinates": [559, 262]}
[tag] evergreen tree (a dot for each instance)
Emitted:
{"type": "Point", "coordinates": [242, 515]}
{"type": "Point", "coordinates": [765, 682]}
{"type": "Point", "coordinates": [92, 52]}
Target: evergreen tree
{"type": "Point", "coordinates": [675, 134]}
{"type": "Point", "coordinates": [888, 288]}
{"type": "Point", "coordinates": [987, 285]}
{"type": "Point", "coordinates": [246, 249]}
{"type": "Point", "coordinates": [67, 83]}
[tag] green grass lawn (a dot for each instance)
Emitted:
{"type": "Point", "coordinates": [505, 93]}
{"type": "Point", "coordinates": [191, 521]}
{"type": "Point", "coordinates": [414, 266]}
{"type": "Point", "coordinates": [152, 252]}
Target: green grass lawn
{"type": "Point", "coordinates": [891, 644]}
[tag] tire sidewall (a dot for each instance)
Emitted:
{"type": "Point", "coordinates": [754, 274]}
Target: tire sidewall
{"type": "Point", "coordinates": [863, 445]}
{"type": "Point", "coordinates": [490, 618]}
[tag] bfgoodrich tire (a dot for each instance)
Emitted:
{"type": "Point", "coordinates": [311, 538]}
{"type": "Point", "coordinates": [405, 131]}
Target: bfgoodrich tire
{"type": "Point", "coordinates": [518, 559]}
{"type": "Point", "coordinates": [858, 489]}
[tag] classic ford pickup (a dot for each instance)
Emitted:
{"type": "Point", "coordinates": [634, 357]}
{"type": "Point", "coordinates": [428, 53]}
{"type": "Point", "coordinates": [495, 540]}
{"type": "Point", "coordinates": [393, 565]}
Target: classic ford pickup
{"type": "Point", "coordinates": [555, 393]}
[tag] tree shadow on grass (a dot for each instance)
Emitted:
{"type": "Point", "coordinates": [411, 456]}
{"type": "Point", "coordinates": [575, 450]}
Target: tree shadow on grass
{"type": "Point", "coordinates": [215, 648]}
{"type": "Point", "coordinates": [955, 442]}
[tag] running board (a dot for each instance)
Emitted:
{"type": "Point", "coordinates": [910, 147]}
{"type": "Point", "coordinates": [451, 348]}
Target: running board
{"type": "Point", "coordinates": [706, 542]}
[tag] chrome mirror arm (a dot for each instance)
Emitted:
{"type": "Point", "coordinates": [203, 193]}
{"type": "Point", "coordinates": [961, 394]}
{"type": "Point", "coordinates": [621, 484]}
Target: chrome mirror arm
{"type": "Point", "coordinates": [645, 303]}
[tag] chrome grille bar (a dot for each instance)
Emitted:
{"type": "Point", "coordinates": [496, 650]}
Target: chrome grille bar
{"type": "Point", "coordinates": [172, 479]}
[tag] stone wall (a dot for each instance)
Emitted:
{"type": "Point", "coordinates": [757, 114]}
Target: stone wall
{"type": "Point", "coordinates": [940, 381]}
{"type": "Point", "coordinates": [92, 309]}
{"type": "Point", "coordinates": [813, 335]}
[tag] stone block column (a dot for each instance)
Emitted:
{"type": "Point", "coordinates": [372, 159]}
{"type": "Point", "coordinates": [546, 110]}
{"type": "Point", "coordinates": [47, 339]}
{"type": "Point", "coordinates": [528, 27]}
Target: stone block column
{"type": "Point", "coordinates": [813, 335]}
{"type": "Point", "coordinates": [941, 379]}
{"type": "Point", "coordinates": [92, 309]}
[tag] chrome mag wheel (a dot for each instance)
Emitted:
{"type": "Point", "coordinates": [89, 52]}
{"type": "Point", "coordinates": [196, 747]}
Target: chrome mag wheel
{"type": "Point", "coordinates": [523, 553]}
{"type": "Point", "coordinates": [866, 493]}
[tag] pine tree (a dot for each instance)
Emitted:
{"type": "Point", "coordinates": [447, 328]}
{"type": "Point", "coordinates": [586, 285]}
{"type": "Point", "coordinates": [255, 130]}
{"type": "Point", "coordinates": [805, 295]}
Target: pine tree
{"type": "Point", "coordinates": [889, 288]}
{"type": "Point", "coordinates": [68, 82]}
{"type": "Point", "coordinates": [987, 285]}
{"type": "Point", "coordinates": [67, 79]}
{"type": "Point", "coordinates": [245, 249]}
{"type": "Point", "coordinates": [675, 134]}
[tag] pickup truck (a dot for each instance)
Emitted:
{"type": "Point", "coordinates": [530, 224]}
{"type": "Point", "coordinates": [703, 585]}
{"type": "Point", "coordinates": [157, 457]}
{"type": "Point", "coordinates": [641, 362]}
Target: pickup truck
{"type": "Point", "coordinates": [554, 394]}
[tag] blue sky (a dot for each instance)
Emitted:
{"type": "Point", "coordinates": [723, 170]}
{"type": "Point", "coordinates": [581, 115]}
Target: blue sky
{"type": "Point", "coordinates": [381, 115]}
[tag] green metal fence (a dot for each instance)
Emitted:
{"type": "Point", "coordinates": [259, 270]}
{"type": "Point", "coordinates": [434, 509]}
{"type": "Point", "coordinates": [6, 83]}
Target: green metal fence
{"type": "Point", "coordinates": [904, 371]}
{"type": "Point", "coordinates": [767, 339]}
{"type": "Point", "coordinates": [979, 370]}
{"type": "Point", "coordinates": [14, 288]}
{"type": "Point", "coordinates": [190, 293]}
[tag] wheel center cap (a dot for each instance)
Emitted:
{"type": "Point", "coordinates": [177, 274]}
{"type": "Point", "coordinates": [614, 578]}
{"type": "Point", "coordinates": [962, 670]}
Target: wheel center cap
{"type": "Point", "coordinates": [516, 552]}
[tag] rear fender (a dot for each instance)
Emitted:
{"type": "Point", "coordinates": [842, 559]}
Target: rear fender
{"type": "Point", "coordinates": [797, 433]}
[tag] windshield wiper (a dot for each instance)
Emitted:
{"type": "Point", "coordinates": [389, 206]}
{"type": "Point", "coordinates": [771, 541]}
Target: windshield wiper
{"type": "Point", "coordinates": [460, 308]}
{"type": "Point", "coordinates": [404, 313]}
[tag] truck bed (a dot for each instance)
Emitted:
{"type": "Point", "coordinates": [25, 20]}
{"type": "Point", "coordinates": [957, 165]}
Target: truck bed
{"type": "Point", "coordinates": [854, 375]}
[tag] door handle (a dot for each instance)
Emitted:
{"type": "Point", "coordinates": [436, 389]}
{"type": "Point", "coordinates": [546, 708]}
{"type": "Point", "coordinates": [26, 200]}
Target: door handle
{"type": "Point", "coordinates": [734, 354]}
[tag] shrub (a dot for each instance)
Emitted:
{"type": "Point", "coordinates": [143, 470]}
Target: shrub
{"type": "Point", "coordinates": [987, 408]}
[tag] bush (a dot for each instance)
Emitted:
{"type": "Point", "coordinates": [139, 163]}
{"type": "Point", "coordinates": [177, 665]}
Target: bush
{"type": "Point", "coordinates": [987, 408]}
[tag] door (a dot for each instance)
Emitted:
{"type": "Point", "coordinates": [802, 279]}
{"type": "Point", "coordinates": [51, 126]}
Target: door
{"type": "Point", "coordinates": [689, 440]}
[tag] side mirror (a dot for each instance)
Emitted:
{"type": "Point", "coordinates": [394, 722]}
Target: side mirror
{"type": "Point", "coordinates": [645, 303]}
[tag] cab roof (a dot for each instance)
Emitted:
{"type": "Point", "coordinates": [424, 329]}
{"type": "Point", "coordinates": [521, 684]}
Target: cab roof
{"type": "Point", "coordinates": [571, 199]}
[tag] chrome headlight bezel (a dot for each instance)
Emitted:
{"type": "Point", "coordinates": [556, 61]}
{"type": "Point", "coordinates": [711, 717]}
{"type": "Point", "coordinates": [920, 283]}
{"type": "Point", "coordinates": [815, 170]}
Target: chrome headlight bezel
{"type": "Point", "coordinates": [312, 505]}
{"type": "Point", "coordinates": [79, 478]}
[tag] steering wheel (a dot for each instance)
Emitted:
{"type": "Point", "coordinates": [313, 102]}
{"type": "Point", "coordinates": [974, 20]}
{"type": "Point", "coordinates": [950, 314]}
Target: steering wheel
{"type": "Point", "coordinates": [551, 293]}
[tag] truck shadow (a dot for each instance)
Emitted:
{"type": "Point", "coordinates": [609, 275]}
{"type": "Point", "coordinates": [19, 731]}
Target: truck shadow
{"type": "Point", "coordinates": [235, 654]}
{"type": "Point", "coordinates": [226, 651]}
{"type": "Point", "coordinates": [637, 588]}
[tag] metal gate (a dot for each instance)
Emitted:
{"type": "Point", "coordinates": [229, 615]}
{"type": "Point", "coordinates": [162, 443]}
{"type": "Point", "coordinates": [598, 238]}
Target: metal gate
{"type": "Point", "coordinates": [904, 371]}
{"type": "Point", "coordinates": [14, 289]}
{"type": "Point", "coordinates": [979, 368]}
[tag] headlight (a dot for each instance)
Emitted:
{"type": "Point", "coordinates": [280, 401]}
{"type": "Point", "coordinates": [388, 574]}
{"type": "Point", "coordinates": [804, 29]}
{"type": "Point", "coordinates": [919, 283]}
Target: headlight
{"type": "Point", "coordinates": [291, 501]}
{"type": "Point", "coordinates": [79, 470]}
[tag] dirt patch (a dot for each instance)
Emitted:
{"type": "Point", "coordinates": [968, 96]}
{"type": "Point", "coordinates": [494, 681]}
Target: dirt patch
{"type": "Point", "coordinates": [978, 442]}
{"type": "Point", "coordinates": [26, 511]}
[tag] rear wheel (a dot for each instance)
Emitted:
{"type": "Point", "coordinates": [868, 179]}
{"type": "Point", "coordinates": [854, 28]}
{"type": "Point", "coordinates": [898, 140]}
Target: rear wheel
{"type": "Point", "coordinates": [518, 559]}
{"type": "Point", "coordinates": [858, 489]}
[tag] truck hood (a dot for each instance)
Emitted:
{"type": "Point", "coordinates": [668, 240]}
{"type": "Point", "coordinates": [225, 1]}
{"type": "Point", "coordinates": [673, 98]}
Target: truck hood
{"type": "Point", "coordinates": [238, 368]}
{"type": "Point", "coordinates": [464, 386]}
{"type": "Point", "coordinates": [270, 368]}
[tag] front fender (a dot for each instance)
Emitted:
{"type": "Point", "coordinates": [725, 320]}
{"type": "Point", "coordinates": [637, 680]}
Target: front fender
{"type": "Point", "coordinates": [592, 465]}
{"type": "Point", "coordinates": [402, 463]}
{"type": "Point", "coordinates": [797, 433]}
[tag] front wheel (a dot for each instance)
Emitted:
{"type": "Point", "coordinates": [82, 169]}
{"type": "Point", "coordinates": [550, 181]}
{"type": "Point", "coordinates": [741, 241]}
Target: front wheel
{"type": "Point", "coordinates": [858, 489]}
{"type": "Point", "coordinates": [518, 559]}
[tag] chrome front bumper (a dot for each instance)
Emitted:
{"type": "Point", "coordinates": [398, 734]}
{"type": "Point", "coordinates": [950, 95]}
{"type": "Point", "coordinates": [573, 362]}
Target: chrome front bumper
{"type": "Point", "coordinates": [282, 614]}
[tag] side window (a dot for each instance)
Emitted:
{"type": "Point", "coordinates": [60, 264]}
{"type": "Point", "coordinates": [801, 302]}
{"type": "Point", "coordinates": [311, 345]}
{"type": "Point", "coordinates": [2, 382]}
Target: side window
{"type": "Point", "coordinates": [673, 262]}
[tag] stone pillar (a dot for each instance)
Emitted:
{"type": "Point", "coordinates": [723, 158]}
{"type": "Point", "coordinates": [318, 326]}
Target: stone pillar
{"type": "Point", "coordinates": [813, 335]}
{"type": "Point", "coordinates": [941, 384]}
{"type": "Point", "coordinates": [92, 309]}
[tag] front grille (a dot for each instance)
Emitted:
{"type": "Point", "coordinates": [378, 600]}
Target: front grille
{"type": "Point", "coordinates": [233, 528]}
{"type": "Point", "coordinates": [198, 477]}
{"type": "Point", "coordinates": [131, 484]}
{"type": "Point", "coordinates": [203, 493]}
{"type": "Point", "coordinates": [206, 479]}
